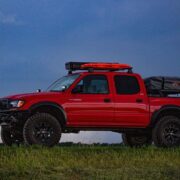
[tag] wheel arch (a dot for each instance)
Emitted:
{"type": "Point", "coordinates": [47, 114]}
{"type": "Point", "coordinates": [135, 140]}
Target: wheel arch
{"type": "Point", "coordinates": [163, 111]}
{"type": "Point", "coordinates": [52, 108]}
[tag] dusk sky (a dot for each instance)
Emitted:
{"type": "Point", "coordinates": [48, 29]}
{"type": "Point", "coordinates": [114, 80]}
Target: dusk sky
{"type": "Point", "coordinates": [38, 36]}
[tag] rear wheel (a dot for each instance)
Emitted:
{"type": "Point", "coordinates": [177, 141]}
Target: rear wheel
{"type": "Point", "coordinates": [167, 132]}
{"type": "Point", "coordinates": [136, 140]}
{"type": "Point", "coordinates": [42, 129]}
{"type": "Point", "coordinates": [11, 136]}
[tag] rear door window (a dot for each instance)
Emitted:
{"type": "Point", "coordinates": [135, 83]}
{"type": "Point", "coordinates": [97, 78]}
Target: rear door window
{"type": "Point", "coordinates": [126, 84]}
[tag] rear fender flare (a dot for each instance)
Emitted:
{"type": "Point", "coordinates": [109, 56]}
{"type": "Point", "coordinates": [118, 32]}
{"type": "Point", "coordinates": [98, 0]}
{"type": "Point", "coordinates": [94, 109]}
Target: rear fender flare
{"type": "Point", "coordinates": [164, 109]}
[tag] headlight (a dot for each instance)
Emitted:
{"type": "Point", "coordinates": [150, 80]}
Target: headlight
{"type": "Point", "coordinates": [16, 103]}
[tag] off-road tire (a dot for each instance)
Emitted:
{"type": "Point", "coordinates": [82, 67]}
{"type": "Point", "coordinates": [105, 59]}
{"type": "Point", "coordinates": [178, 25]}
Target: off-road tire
{"type": "Point", "coordinates": [9, 138]}
{"type": "Point", "coordinates": [42, 129]}
{"type": "Point", "coordinates": [136, 140]}
{"type": "Point", "coordinates": [166, 132]}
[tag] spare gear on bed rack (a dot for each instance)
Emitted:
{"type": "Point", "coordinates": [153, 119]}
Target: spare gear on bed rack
{"type": "Point", "coordinates": [163, 86]}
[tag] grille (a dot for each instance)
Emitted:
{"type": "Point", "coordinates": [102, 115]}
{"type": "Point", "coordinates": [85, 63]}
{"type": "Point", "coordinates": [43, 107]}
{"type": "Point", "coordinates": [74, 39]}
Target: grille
{"type": "Point", "coordinates": [4, 104]}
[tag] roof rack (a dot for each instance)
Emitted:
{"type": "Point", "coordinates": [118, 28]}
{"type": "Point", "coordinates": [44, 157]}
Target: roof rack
{"type": "Point", "coordinates": [91, 66]}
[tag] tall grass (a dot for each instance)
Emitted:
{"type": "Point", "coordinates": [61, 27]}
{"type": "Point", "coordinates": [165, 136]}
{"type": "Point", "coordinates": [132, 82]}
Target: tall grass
{"type": "Point", "coordinates": [89, 162]}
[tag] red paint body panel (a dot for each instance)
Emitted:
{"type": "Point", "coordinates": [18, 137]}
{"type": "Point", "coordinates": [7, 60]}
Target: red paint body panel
{"type": "Point", "coordinates": [157, 103]}
{"type": "Point", "coordinates": [90, 110]}
{"type": "Point", "coordinates": [128, 112]}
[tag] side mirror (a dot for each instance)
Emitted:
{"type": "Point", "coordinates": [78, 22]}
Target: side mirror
{"type": "Point", "coordinates": [63, 88]}
{"type": "Point", "coordinates": [38, 90]}
{"type": "Point", "coordinates": [77, 89]}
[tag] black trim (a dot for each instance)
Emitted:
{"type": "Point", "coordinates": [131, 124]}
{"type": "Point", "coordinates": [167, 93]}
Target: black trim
{"type": "Point", "coordinates": [155, 115]}
{"type": "Point", "coordinates": [7, 111]}
{"type": "Point", "coordinates": [113, 129]}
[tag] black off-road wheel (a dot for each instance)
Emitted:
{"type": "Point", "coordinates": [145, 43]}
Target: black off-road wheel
{"type": "Point", "coordinates": [42, 129]}
{"type": "Point", "coordinates": [11, 136]}
{"type": "Point", "coordinates": [166, 132]}
{"type": "Point", "coordinates": [136, 140]}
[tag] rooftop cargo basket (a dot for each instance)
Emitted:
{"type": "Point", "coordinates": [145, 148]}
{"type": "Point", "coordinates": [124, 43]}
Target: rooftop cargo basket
{"type": "Point", "coordinates": [163, 86]}
{"type": "Point", "coordinates": [91, 66]}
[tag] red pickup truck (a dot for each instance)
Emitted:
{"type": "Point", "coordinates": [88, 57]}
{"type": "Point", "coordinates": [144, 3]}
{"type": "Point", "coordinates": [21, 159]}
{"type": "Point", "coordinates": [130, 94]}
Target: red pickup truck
{"type": "Point", "coordinates": [96, 96]}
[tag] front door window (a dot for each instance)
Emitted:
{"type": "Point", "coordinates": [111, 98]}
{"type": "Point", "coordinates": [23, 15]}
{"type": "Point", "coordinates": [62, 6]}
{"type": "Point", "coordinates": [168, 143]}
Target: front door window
{"type": "Point", "coordinates": [93, 84]}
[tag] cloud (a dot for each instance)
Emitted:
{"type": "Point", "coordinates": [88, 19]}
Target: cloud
{"type": "Point", "coordinates": [10, 19]}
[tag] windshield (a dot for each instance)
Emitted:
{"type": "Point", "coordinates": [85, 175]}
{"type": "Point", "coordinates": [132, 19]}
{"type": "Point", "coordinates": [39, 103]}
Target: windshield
{"type": "Point", "coordinates": [63, 83]}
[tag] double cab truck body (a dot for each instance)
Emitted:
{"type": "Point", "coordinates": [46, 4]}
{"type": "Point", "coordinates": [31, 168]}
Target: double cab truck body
{"type": "Point", "coordinates": [99, 97]}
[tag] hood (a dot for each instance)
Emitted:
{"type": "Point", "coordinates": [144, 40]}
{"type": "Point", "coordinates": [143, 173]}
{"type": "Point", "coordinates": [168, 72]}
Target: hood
{"type": "Point", "coordinates": [30, 95]}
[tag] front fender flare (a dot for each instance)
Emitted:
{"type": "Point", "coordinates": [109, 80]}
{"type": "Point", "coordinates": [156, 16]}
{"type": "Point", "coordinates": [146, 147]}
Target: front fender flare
{"type": "Point", "coordinates": [52, 104]}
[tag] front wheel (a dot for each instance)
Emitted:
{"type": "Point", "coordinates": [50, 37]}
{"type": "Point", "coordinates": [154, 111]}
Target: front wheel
{"type": "Point", "coordinates": [136, 140]}
{"type": "Point", "coordinates": [42, 129]}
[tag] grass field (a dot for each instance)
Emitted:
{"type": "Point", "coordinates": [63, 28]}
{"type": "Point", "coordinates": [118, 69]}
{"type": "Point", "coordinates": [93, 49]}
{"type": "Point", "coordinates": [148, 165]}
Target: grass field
{"type": "Point", "coordinates": [74, 161]}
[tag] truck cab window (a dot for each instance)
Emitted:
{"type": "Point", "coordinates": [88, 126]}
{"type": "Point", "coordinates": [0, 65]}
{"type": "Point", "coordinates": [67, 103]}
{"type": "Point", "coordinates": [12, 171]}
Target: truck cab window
{"type": "Point", "coordinates": [126, 84]}
{"type": "Point", "coordinates": [92, 84]}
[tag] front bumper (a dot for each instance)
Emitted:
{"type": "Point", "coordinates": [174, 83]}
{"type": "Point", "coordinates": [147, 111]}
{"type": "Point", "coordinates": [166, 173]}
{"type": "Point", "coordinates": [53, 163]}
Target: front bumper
{"type": "Point", "coordinates": [8, 117]}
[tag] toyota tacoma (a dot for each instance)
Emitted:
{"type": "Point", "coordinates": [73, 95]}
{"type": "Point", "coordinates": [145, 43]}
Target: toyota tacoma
{"type": "Point", "coordinates": [96, 97]}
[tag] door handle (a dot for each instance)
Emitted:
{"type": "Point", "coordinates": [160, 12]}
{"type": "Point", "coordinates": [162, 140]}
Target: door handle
{"type": "Point", "coordinates": [75, 100]}
{"type": "Point", "coordinates": [139, 100]}
{"type": "Point", "coordinates": [107, 100]}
